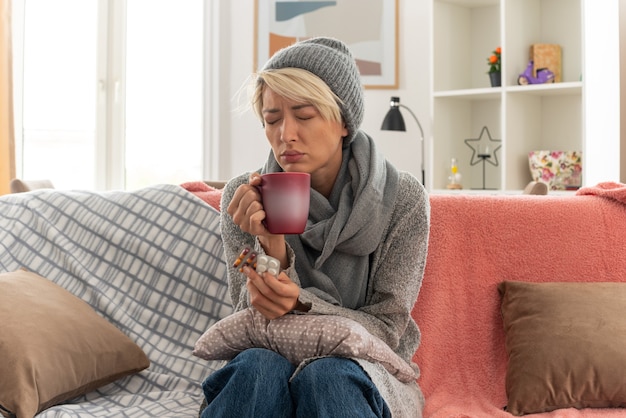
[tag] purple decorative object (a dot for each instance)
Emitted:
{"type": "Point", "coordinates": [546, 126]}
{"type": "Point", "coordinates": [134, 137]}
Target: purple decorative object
{"type": "Point", "coordinates": [543, 76]}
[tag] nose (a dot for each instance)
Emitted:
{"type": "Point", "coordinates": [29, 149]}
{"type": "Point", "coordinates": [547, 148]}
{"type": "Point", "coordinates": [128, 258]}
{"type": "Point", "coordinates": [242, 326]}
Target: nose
{"type": "Point", "coordinates": [288, 129]}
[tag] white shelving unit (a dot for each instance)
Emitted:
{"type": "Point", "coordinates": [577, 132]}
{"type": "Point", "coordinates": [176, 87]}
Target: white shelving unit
{"type": "Point", "coordinates": [555, 116]}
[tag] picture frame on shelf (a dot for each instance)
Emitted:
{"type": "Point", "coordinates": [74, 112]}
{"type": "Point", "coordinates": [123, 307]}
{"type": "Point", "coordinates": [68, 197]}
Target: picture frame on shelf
{"type": "Point", "coordinates": [373, 42]}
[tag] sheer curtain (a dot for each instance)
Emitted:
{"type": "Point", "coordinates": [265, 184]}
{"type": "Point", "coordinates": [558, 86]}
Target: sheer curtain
{"type": "Point", "coordinates": [7, 147]}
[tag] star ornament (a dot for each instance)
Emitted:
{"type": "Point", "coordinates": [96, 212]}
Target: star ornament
{"type": "Point", "coordinates": [481, 148]}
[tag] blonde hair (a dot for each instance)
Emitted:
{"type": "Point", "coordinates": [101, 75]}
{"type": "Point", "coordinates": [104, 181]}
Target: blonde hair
{"type": "Point", "coordinates": [299, 85]}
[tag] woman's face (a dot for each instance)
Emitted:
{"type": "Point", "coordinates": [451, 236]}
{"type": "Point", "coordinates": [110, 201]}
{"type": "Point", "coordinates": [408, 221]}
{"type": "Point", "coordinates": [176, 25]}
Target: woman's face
{"type": "Point", "coordinates": [301, 139]}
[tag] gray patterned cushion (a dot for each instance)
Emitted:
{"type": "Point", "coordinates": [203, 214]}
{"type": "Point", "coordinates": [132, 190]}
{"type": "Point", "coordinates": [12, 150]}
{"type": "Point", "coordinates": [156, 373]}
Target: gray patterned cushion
{"type": "Point", "coordinates": [298, 337]}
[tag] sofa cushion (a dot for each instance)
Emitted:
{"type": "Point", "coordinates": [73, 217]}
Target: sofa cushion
{"type": "Point", "coordinates": [565, 343]}
{"type": "Point", "coordinates": [209, 192]}
{"type": "Point", "coordinates": [54, 346]}
{"type": "Point", "coordinates": [297, 338]}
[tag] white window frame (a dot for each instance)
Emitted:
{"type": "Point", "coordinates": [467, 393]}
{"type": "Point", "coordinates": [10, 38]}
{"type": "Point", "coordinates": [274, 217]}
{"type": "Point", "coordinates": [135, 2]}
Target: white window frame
{"type": "Point", "coordinates": [109, 158]}
{"type": "Point", "coordinates": [110, 97]}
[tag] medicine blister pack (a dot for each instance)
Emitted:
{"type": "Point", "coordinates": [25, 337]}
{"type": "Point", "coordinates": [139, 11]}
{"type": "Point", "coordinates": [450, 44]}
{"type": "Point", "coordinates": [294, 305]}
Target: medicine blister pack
{"type": "Point", "coordinates": [260, 263]}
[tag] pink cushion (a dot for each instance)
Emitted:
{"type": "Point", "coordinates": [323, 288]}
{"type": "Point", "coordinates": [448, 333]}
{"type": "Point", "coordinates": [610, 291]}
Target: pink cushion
{"type": "Point", "coordinates": [209, 194]}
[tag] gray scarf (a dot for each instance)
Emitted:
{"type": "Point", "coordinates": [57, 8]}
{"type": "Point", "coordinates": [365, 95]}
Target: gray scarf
{"type": "Point", "coordinates": [332, 254]}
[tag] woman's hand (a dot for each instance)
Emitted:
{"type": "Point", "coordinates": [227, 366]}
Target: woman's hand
{"type": "Point", "coordinates": [272, 296]}
{"type": "Point", "coordinates": [246, 208]}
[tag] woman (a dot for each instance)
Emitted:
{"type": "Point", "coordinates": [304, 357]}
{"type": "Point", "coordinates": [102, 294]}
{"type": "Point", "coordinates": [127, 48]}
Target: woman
{"type": "Point", "coordinates": [361, 256]}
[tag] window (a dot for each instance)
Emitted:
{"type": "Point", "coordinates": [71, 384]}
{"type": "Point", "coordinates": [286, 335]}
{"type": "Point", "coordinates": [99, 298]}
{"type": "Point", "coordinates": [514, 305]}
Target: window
{"type": "Point", "coordinates": [59, 67]}
{"type": "Point", "coordinates": [109, 95]}
{"type": "Point", "coordinates": [164, 92]}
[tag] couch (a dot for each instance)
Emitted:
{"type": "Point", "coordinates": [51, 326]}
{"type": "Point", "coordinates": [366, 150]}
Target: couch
{"type": "Point", "coordinates": [149, 262]}
{"type": "Point", "coordinates": [556, 347]}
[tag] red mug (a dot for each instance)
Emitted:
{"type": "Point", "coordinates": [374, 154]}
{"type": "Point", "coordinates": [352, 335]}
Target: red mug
{"type": "Point", "coordinates": [286, 197]}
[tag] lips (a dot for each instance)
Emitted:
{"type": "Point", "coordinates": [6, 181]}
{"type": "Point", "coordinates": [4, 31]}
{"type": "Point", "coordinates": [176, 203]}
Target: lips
{"type": "Point", "coordinates": [291, 156]}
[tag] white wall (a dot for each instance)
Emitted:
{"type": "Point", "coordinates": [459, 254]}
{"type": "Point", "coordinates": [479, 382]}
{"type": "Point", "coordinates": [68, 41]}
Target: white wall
{"type": "Point", "coordinates": [237, 139]}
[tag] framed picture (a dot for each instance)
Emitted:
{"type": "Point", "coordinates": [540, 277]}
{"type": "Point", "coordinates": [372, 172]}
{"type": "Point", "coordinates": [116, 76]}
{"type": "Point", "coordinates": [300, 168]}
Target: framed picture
{"type": "Point", "coordinates": [368, 27]}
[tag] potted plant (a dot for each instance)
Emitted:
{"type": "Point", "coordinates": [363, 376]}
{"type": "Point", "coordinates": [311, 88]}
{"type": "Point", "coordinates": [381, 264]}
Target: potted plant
{"type": "Point", "coordinates": [494, 63]}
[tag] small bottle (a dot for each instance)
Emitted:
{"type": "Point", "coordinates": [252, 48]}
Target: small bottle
{"type": "Point", "coordinates": [454, 180]}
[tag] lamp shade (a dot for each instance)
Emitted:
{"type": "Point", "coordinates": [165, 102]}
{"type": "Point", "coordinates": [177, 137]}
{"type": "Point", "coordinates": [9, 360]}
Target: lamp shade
{"type": "Point", "coordinates": [395, 122]}
{"type": "Point", "coordinates": [393, 119]}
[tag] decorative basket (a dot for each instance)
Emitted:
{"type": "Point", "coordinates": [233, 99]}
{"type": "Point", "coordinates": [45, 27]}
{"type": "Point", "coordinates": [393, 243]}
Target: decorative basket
{"type": "Point", "coordinates": [560, 170]}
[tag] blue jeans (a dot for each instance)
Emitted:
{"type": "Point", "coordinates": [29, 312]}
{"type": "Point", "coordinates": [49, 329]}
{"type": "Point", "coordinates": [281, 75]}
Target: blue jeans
{"type": "Point", "coordinates": [256, 384]}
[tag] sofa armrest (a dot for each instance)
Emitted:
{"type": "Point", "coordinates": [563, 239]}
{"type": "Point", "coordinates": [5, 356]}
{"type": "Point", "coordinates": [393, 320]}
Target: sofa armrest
{"type": "Point", "coordinates": [218, 184]}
